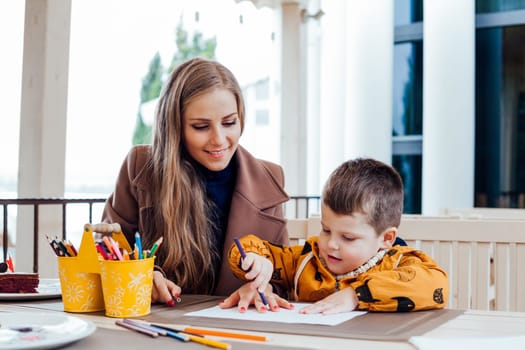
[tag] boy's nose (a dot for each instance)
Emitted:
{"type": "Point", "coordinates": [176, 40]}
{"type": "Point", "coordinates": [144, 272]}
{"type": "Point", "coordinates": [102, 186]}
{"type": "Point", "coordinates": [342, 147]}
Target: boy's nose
{"type": "Point", "coordinates": [332, 244]}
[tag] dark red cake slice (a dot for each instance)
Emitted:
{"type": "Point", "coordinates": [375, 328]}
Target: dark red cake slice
{"type": "Point", "coordinates": [18, 282]}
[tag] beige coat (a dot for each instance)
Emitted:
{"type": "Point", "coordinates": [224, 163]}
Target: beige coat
{"type": "Point", "coordinates": [256, 205]}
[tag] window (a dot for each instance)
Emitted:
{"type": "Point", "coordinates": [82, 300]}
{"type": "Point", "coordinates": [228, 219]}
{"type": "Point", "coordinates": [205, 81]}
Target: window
{"type": "Point", "coordinates": [500, 116]}
{"type": "Point", "coordinates": [408, 100]}
{"type": "Point", "coordinates": [485, 6]}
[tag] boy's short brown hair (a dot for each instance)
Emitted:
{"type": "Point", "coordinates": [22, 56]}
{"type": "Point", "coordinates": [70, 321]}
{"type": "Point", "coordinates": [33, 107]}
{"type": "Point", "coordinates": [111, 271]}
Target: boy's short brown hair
{"type": "Point", "coordinates": [367, 186]}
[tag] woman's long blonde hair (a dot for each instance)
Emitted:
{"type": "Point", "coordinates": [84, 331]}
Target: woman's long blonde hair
{"type": "Point", "coordinates": [182, 211]}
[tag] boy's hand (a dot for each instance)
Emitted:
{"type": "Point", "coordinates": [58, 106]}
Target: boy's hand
{"type": "Point", "coordinates": [342, 301]}
{"type": "Point", "coordinates": [259, 270]}
{"type": "Point", "coordinates": [246, 296]}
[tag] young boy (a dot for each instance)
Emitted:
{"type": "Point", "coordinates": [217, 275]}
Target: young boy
{"type": "Point", "coordinates": [352, 264]}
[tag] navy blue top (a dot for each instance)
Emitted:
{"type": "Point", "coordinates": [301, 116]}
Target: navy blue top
{"type": "Point", "coordinates": [400, 241]}
{"type": "Point", "coordinates": [219, 190]}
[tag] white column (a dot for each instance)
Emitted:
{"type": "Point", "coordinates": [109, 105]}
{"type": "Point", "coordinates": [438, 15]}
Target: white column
{"type": "Point", "coordinates": [43, 124]}
{"type": "Point", "coordinates": [293, 92]}
{"type": "Point", "coordinates": [369, 52]}
{"type": "Point", "coordinates": [356, 106]}
{"type": "Point", "coordinates": [313, 94]}
{"type": "Point", "coordinates": [448, 105]}
{"type": "Point", "coordinates": [332, 88]}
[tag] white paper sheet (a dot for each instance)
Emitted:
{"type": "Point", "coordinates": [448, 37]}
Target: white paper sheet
{"type": "Point", "coordinates": [283, 315]}
{"type": "Point", "coordinates": [480, 343]}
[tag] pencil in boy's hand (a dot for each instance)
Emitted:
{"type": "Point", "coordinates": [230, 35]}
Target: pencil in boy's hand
{"type": "Point", "coordinates": [243, 256]}
{"type": "Point", "coordinates": [239, 246]}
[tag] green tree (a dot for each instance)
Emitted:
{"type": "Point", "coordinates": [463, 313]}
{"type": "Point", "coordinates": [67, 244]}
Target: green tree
{"type": "Point", "coordinates": [152, 82]}
{"type": "Point", "coordinates": [186, 47]}
{"type": "Point", "coordinates": [151, 85]}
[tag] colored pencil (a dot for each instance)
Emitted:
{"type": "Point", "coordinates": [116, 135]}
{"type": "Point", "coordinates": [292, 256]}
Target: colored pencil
{"type": "Point", "coordinates": [138, 244]}
{"type": "Point", "coordinates": [224, 334]}
{"type": "Point", "coordinates": [210, 342]}
{"type": "Point", "coordinates": [156, 246]}
{"type": "Point", "coordinates": [151, 333]}
{"type": "Point", "coordinates": [159, 330]}
{"type": "Point", "coordinates": [243, 256]}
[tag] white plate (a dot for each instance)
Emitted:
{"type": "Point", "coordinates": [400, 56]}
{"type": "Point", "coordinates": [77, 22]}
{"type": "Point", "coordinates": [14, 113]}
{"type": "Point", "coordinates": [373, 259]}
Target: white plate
{"type": "Point", "coordinates": [43, 330]}
{"type": "Point", "coordinates": [48, 288]}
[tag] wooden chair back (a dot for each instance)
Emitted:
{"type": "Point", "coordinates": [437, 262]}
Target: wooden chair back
{"type": "Point", "coordinates": [485, 213]}
{"type": "Point", "coordinates": [484, 258]}
{"type": "Point", "coordinates": [301, 229]}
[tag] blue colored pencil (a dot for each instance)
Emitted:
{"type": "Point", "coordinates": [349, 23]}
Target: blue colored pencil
{"type": "Point", "coordinates": [138, 242]}
{"type": "Point", "coordinates": [161, 331]}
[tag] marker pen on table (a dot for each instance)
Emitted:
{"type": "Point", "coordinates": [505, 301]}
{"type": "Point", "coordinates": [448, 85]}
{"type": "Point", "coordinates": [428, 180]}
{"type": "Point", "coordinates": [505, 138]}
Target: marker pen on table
{"type": "Point", "coordinates": [243, 256]}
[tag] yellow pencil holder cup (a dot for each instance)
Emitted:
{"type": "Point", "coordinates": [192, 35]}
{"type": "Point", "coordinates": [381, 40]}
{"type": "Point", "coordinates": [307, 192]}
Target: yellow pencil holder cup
{"type": "Point", "coordinates": [81, 291]}
{"type": "Point", "coordinates": [80, 276]}
{"type": "Point", "coordinates": [127, 287]}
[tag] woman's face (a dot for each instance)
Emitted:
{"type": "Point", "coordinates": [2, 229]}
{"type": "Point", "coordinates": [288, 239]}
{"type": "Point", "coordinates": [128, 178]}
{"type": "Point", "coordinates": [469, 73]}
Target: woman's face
{"type": "Point", "coordinates": [212, 128]}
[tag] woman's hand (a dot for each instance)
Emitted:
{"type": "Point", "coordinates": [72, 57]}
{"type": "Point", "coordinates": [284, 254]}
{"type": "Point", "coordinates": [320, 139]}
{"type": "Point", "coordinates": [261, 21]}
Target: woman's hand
{"type": "Point", "coordinates": [246, 295]}
{"type": "Point", "coordinates": [341, 301]}
{"type": "Point", "coordinates": [164, 290]}
{"type": "Point", "coordinates": [259, 270]}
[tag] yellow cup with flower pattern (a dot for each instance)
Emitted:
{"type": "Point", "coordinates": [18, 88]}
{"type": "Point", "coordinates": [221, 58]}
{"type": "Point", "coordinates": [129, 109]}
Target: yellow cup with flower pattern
{"type": "Point", "coordinates": [81, 291]}
{"type": "Point", "coordinates": [127, 285]}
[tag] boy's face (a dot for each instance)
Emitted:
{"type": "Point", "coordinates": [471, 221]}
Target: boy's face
{"type": "Point", "coordinates": [348, 241]}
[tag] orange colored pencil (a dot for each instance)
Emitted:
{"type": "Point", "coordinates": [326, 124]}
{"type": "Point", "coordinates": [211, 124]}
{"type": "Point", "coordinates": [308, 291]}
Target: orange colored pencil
{"type": "Point", "coordinates": [224, 334]}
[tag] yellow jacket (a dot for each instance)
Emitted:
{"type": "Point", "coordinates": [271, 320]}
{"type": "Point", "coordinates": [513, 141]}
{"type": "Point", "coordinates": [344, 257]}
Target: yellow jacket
{"type": "Point", "coordinates": [406, 279]}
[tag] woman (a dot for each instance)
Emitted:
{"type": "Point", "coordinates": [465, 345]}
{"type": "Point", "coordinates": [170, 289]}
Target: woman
{"type": "Point", "coordinates": [195, 186]}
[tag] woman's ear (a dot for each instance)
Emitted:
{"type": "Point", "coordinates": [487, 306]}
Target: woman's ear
{"type": "Point", "coordinates": [388, 237]}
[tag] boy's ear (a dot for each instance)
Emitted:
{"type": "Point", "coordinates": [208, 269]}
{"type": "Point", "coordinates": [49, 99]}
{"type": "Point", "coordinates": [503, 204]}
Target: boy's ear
{"type": "Point", "coordinates": [388, 237]}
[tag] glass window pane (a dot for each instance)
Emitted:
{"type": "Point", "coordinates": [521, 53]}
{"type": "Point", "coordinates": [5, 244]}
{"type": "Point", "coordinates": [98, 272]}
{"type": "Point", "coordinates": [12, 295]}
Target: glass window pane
{"type": "Point", "coordinates": [484, 6]}
{"type": "Point", "coordinates": [500, 117]}
{"type": "Point", "coordinates": [407, 11]}
{"type": "Point", "coordinates": [409, 167]}
{"type": "Point", "coordinates": [408, 89]}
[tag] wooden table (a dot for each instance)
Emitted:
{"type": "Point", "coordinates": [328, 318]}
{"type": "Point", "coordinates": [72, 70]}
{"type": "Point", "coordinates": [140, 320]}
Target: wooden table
{"type": "Point", "coordinates": [471, 323]}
